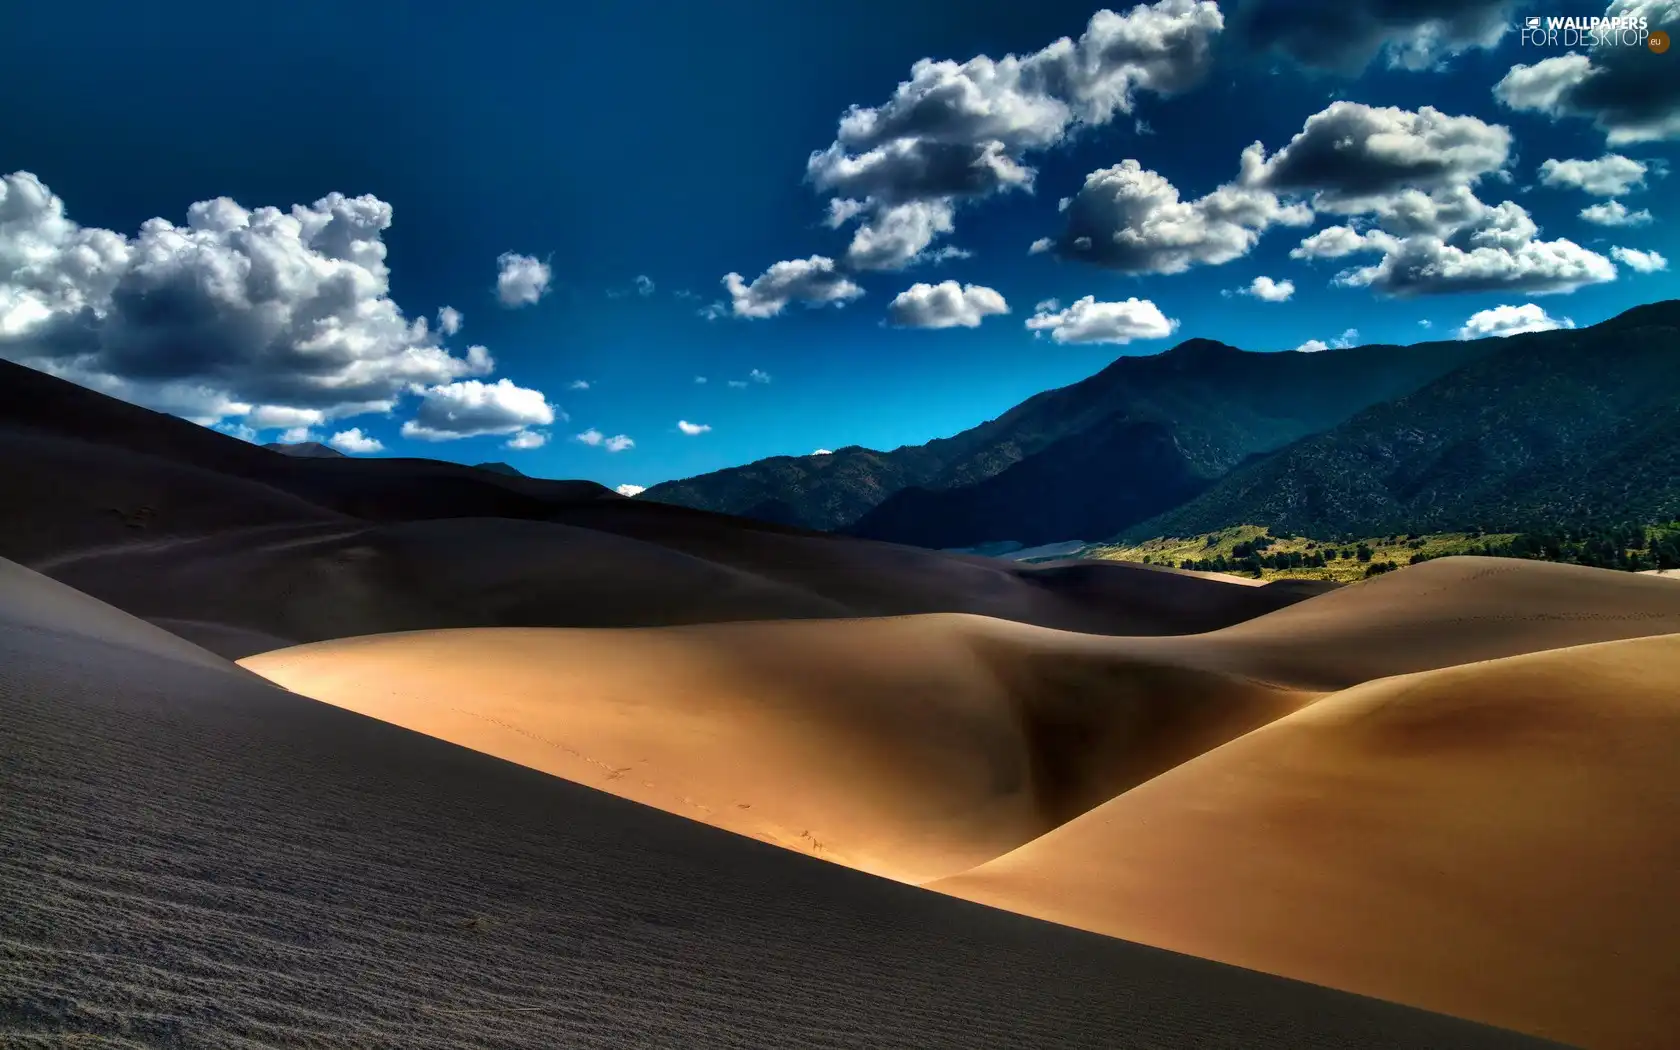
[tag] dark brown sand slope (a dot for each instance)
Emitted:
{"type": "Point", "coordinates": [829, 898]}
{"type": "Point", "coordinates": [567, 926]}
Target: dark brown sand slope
{"type": "Point", "coordinates": [243, 549]}
{"type": "Point", "coordinates": [308, 583]}
{"type": "Point", "coordinates": [196, 859]}
{"type": "Point", "coordinates": [1498, 840]}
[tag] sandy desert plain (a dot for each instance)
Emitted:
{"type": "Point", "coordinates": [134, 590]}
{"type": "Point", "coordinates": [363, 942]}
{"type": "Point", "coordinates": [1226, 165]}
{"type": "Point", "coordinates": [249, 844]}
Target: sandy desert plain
{"type": "Point", "coordinates": [400, 753]}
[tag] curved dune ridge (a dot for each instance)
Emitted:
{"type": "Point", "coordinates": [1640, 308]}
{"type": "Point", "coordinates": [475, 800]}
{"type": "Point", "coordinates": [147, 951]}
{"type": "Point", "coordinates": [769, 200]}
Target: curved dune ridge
{"type": "Point", "coordinates": [989, 760]}
{"type": "Point", "coordinates": [194, 857]}
{"type": "Point", "coordinates": [1498, 841]}
{"type": "Point", "coordinates": [911, 747]}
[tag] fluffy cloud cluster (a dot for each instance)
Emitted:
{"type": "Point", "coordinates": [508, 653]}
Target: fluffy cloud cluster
{"type": "Point", "coordinates": [945, 305]}
{"type": "Point", "coordinates": [255, 318]}
{"type": "Point", "coordinates": [958, 132]}
{"type": "Point", "coordinates": [630, 490]}
{"type": "Point", "coordinates": [1407, 181]}
{"type": "Point", "coordinates": [525, 440]}
{"type": "Point", "coordinates": [354, 441]}
{"type": "Point", "coordinates": [1625, 91]}
{"type": "Point", "coordinates": [1341, 342]}
{"type": "Point", "coordinates": [815, 282]}
{"type": "Point", "coordinates": [617, 443]}
{"type": "Point", "coordinates": [1643, 262]}
{"type": "Point", "coordinates": [1265, 289]}
{"type": "Point", "coordinates": [1131, 219]}
{"type": "Point", "coordinates": [1088, 321]}
{"type": "Point", "coordinates": [473, 409]}
{"type": "Point", "coordinates": [1349, 155]}
{"type": "Point", "coordinates": [1611, 175]}
{"type": "Point", "coordinates": [1510, 320]}
{"type": "Point", "coordinates": [1344, 36]}
{"type": "Point", "coordinates": [1615, 213]}
{"type": "Point", "coordinates": [1349, 158]}
{"type": "Point", "coordinates": [521, 279]}
{"type": "Point", "coordinates": [692, 429]}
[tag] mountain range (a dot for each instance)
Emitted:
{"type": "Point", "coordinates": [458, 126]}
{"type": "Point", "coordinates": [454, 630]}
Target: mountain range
{"type": "Point", "coordinates": [1568, 424]}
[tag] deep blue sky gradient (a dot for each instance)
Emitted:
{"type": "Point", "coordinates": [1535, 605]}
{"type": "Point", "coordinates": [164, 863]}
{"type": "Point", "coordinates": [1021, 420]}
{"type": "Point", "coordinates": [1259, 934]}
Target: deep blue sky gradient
{"type": "Point", "coordinates": [625, 137]}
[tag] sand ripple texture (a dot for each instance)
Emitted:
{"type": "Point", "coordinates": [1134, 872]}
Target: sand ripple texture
{"type": "Point", "coordinates": [194, 858]}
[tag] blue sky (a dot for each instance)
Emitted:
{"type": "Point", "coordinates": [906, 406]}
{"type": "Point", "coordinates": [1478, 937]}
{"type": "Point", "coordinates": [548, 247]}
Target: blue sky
{"type": "Point", "coordinates": [611, 141]}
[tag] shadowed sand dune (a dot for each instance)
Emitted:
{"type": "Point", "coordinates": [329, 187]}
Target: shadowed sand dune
{"type": "Point", "coordinates": [910, 747]}
{"type": "Point", "coordinates": [625, 566]}
{"type": "Point", "coordinates": [1498, 840]}
{"type": "Point", "coordinates": [244, 549]}
{"type": "Point", "coordinates": [193, 857]}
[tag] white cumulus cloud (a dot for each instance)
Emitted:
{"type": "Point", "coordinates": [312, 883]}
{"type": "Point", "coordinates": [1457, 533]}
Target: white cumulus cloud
{"type": "Point", "coordinates": [961, 131]}
{"type": "Point", "coordinates": [521, 279]}
{"type": "Point", "coordinates": [1341, 342]}
{"type": "Point", "coordinates": [354, 441]}
{"type": "Point", "coordinates": [814, 281]}
{"type": "Point", "coordinates": [1615, 213]}
{"type": "Point", "coordinates": [1269, 291]}
{"type": "Point", "coordinates": [1088, 321]}
{"type": "Point", "coordinates": [236, 314]}
{"type": "Point", "coordinates": [1350, 155]}
{"type": "Point", "coordinates": [1643, 262]}
{"type": "Point", "coordinates": [630, 490]}
{"type": "Point", "coordinates": [1131, 219]}
{"type": "Point", "coordinates": [449, 320]}
{"type": "Point", "coordinates": [524, 440]}
{"type": "Point", "coordinates": [616, 443]}
{"type": "Point", "coordinates": [1611, 175]}
{"type": "Point", "coordinates": [823, 452]}
{"type": "Point", "coordinates": [945, 305]}
{"type": "Point", "coordinates": [471, 408]}
{"type": "Point", "coordinates": [692, 429]}
{"type": "Point", "coordinates": [1508, 320]}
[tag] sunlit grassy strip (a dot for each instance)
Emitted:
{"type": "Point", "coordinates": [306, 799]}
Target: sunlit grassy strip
{"type": "Point", "coordinates": [1344, 559]}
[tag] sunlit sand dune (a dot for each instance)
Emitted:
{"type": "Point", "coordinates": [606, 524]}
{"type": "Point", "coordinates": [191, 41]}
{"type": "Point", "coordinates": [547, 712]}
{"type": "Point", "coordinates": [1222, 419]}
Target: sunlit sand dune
{"type": "Point", "coordinates": [910, 747]}
{"type": "Point", "coordinates": [1498, 841]}
{"type": "Point", "coordinates": [1437, 614]}
{"type": "Point", "coordinates": [918, 747]}
{"type": "Point", "coordinates": [192, 857]}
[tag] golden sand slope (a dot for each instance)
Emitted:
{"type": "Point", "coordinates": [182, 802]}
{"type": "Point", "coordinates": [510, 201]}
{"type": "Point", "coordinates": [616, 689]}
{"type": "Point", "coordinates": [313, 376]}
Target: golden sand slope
{"type": "Point", "coordinates": [913, 747]}
{"type": "Point", "coordinates": [1499, 841]}
{"type": "Point", "coordinates": [1437, 614]}
{"type": "Point", "coordinates": [918, 747]}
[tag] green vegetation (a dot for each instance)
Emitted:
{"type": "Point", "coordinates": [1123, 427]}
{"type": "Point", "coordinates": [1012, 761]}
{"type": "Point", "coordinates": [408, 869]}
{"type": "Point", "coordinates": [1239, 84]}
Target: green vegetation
{"type": "Point", "coordinates": [1252, 550]}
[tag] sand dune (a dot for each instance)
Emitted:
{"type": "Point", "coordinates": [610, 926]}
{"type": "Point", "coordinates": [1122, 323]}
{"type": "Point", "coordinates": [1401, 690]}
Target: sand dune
{"type": "Point", "coordinates": [1437, 614]}
{"type": "Point", "coordinates": [1497, 841]}
{"type": "Point", "coordinates": [193, 857]}
{"type": "Point", "coordinates": [917, 747]}
{"type": "Point", "coordinates": [242, 548]}
{"type": "Point", "coordinates": [909, 747]}
{"type": "Point", "coordinates": [313, 581]}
